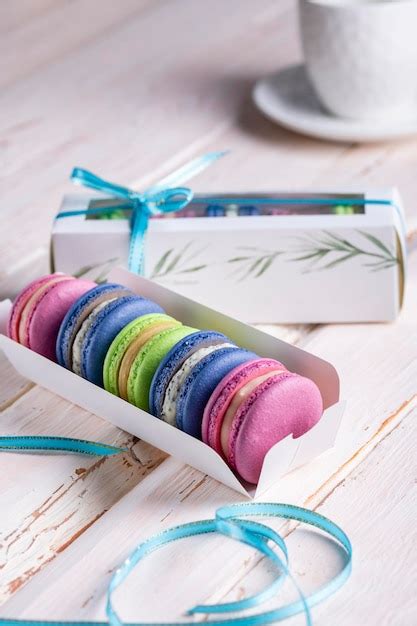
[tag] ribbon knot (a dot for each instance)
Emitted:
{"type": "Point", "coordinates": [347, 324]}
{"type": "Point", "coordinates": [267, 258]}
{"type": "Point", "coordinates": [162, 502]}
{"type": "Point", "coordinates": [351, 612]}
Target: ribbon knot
{"type": "Point", "coordinates": [166, 197]}
{"type": "Point", "coordinates": [143, 205]}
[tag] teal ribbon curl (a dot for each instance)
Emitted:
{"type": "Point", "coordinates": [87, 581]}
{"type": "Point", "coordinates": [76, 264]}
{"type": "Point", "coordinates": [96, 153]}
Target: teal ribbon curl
{"type": "Point", "coordinates": [165, 197]}
{"type": "Point", "coordinates": [228, 522]}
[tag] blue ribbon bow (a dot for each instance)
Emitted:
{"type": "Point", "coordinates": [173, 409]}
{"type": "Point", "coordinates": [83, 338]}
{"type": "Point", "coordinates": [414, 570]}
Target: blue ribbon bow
{"type": "Point", "coordinates": [165, 197]}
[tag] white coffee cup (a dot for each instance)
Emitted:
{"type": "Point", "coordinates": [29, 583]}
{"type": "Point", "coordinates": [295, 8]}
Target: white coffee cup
{"type": "Point", "coordinates": [361, 56]}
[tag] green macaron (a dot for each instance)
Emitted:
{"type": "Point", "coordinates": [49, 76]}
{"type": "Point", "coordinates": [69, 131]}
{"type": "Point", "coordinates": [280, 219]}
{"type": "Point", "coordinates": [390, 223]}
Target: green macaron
{"type": "Point", "coordinates": [146, 363]}
{"type": "Point", "coordinates": [125, 338]}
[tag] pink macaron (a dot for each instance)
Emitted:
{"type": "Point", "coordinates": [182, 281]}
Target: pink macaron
{"type": "Point", "coordinates": [226, 391]}
{"type": "Point", "coordinates": [254, 409]}
{"type": "Point", "coordinates": [22, 300]}
{"type": "Point", "coordinates": [39, 310]}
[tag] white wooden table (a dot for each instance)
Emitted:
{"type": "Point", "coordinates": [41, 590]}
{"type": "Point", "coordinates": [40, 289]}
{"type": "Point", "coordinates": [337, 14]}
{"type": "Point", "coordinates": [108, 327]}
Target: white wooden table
{"type": "Point", "coordinates": [131, 89]}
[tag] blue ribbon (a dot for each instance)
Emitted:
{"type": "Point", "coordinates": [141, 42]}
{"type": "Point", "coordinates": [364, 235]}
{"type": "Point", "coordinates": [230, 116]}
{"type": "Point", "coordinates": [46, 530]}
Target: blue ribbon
{"type": "Point", "coordinates": [228, 521]}
{"type": "Point", "coordinates": [56, 444]}
{"type": "Point", "coordinates": [165, 197]}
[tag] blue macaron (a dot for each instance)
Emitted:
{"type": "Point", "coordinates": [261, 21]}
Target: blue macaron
{"type": "Point", "coordinates": [76, 315]}
{"type": "Point", "coordinates": [200, 384]}
{"type": "Point", "coordinates": [104, 328]}
{"type": "Point", "coordinates": [174, 360]}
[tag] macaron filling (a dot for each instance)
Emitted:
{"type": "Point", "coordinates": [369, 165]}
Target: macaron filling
{"type": "Point", "coordinates": [171, 363]}
{"type": "Point", "coordinates": [135, 346]}
{"type": "Point", "coordinates": [108, 324]}
{"type": "Point", "coordinates": [169, 406]}
{"type": "Point", "coordinates": [77, 346]}
{"type": "Point", "coordinates": [199, 385]}
{"type": "Point", "coordinates": [79, 313]}
{"type": "Point", "coordinates": [146, 362]}
{"type": "Point", "coordinates": [121, 343]}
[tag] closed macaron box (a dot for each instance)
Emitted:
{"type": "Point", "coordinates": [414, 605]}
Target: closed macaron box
{"type": "Point", "coordinates": [223, 395]}
{"type": "Point", "coordinates": [304, 257]}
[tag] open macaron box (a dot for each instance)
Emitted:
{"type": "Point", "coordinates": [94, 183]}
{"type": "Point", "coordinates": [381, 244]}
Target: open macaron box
{"type": "Point", "coordinates": [284, 456]}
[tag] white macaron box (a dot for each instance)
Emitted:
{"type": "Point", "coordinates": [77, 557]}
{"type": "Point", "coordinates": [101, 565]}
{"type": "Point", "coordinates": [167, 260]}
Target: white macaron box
{"type": "Point", "coordinates": [303, 257]}
{"type": "Point", "coordinates": [284, 456]}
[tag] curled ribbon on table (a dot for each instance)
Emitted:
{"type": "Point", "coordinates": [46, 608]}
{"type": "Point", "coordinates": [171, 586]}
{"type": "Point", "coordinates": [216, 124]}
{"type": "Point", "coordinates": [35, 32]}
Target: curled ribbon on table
{"type": "Point", "coordinates": [165, 197]}
{"type": "Point", "coordinates": [228, 522]}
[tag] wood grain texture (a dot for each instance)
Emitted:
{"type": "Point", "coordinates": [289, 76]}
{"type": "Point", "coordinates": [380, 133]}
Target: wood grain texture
{"type": "Point", "coordinates": [47, 35]}
{"type": "Point", "coordinates": [181, 493]}
{"type": "Point", "coordinates": [106, 93]}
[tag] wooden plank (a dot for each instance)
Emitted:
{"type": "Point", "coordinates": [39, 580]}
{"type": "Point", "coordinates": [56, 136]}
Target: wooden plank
{"type": "Point", "coordinates": [381, 523]}
{"type": "Point", "coordinates": [215, 565]}
{"type": "Point", "coordinates": [13, 385]}
{"type": "Point", "coordinates": [37, 135]}
{"type": "Point", "coordinates": [67, 492]}
{"type": "Point", "coordinates": [15, 14]}
{"type": "Point", "coordinates": [47, 35]}
{"type": "Point", "coordinates": [43, 141]}
{"type": "Point", "coordinates": [171, 494]}
{"type": "Point", "coordinates": [375, 409]}
{"type": "Point", "coordinates": [376, 506]}
{"type": "Point", "coordinates": [42, 147]}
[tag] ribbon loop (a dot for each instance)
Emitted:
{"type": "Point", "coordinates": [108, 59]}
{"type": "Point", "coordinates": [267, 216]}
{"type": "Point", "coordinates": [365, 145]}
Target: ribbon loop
{"type": "Point", "coordinates": [144, 205]}
{"type": "Point", "coordinates": [166, 200]}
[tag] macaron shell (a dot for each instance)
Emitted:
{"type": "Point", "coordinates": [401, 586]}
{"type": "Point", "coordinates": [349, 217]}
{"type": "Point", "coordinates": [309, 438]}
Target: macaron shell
{"type": "Point", "coordinates": [174, 360]}
{"type": "Point", "coordinates": [201, 383]}
{"type": "Point", "coordinates": [30, 305]}
{"type": "Point", "coordinates": [110, 321]}
{"type": "Point", "coordinates": [283, 405]}
{"type": "Point", "coordinates": [78, 313]}
{"type": "Point", "coordinates": [48, 313]}
{"type": "Point", "coordinates": [224, 393]}
{"type": "Point", "coordinates": [20, 302]}
{"type": "Point", "coordinates": [147, 361]}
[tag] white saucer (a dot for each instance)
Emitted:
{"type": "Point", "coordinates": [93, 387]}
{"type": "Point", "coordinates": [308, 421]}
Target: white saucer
{"type": "Point", "coordinates": [287, 97]}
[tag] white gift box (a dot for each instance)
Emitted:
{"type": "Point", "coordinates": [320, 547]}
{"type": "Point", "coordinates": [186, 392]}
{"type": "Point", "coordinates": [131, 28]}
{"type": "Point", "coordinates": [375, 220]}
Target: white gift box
{"type": "Point", "coordinates": [283, 457]}
{"type": "Point", "coordinates": [317, 264]}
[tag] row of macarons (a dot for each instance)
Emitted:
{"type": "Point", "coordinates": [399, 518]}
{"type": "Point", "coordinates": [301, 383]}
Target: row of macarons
{"type": "Point", "coordinates": [196, 380]}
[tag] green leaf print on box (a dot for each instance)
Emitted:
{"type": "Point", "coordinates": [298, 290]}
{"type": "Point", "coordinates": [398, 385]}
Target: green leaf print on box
{"type": "Point", "coordinates": [252, 262]}
{"type": "Point", "coordinates": [180, 266]}
{"type": "Point", "coordinates": [323, 251]}
{"type": "Point", "coordinates": [97, 272]}
{"type": "Point", "coordinates": [327, 250]}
